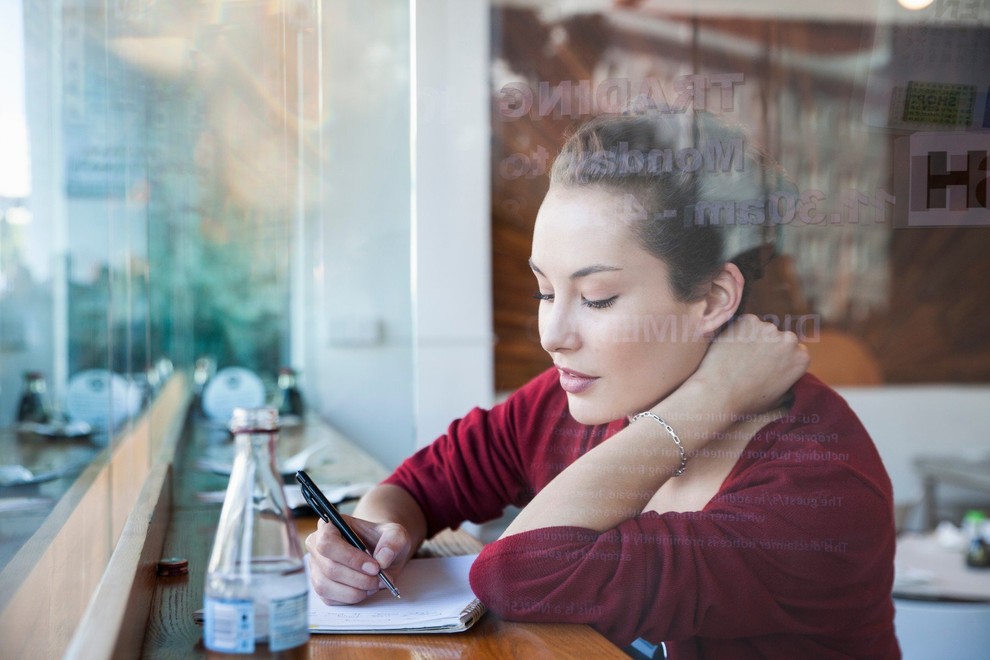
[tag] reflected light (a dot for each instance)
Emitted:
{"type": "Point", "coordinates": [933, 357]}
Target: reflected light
{"type": "Point", "coordinates": [166, 57]}
{"type": "Point", "coordinates": [914, 5]}
{"type": "Point", "coordinates": [18, 215]}
{"type": "Point", "coordinates": [15, 162]}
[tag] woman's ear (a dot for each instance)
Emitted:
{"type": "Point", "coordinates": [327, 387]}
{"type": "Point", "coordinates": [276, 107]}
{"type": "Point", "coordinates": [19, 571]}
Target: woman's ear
{"type": "Point", "coordinates": [723, 298]}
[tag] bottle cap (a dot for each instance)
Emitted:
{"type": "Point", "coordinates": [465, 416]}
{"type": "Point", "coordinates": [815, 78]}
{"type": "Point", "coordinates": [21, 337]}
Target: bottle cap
{"type": "Point", "coordinates": [286, 377]}
{"type": "Point", "coordinates": [254, 419]}
{"type": "Point", "coordinates": [172, 566]}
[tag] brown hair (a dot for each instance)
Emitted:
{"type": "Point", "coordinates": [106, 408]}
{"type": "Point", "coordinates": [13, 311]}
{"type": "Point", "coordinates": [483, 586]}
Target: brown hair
{"type": "Point", "coordinates": [685, 172]}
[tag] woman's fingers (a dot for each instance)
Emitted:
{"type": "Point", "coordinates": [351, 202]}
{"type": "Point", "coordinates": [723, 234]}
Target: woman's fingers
{"type": "Point", "coordinates": [393, 548]}
{"type": "Point", "coordinates": [340, 573]}
{"type": "Point", "coordinates": [755, 362]}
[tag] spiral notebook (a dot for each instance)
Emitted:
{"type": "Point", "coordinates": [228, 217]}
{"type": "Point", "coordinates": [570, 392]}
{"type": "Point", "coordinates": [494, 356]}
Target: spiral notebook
{"type": "Point", "coordinates": [436, 598]}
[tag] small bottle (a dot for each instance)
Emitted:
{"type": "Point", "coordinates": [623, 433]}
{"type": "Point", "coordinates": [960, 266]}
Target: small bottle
{"type": "Point", "coordinates": [204, 369]}
{"type": "Point", "coordinates": [977, 549]}
{"type": "Point", "coordinates": [33, 406]}
{"type": "Point", "coordinates": [256, 584]}
{"type": "Point", "coordinates": [289, 400]}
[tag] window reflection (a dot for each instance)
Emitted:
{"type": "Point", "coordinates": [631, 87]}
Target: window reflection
{"type": "Point", "coordinates": [158, 158]}
{"type": "Point", "coordinates": [832, 93]}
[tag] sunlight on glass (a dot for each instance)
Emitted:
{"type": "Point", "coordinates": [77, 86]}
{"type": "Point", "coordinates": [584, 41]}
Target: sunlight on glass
{"type": "Point", "coordinates": [15, 169]}
{"type": "Point", "coordinates": [914, 4]}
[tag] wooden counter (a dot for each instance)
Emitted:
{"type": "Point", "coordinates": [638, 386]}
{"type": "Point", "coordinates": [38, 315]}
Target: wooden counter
{"type": "Point", "coordinates": [172, 632]}
{"type": "Point", "coordinates": [77, 573]}
{"type": "Point", "coordinates": [56, 463]}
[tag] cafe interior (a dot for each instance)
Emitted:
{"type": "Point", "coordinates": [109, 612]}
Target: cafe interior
{"type": "Point", "coordinates": [328, 207]}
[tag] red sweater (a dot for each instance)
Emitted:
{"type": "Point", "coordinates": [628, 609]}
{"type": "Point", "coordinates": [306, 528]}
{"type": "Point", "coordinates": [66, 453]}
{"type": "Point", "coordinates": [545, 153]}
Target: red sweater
{"type": "Point", "coordinates": [793, 557]}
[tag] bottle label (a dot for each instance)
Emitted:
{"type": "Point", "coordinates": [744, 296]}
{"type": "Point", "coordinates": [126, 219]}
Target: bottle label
{"type": "Point", "coordinates": [288, 622]}
{"type": "Point", "coordinates": [229, 625]}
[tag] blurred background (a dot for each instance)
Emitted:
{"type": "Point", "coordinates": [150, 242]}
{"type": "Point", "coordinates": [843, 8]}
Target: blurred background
{"type": "Point", "coordinates": [348, 189]}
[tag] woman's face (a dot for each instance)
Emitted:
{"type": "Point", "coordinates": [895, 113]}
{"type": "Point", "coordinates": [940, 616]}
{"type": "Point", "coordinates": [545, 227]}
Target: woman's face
{"type": "Point", "coordinates": [619, 338]}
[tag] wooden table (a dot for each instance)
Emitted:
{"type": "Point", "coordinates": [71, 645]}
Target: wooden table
{"type": "Point", "coordinates": [929, 571]}
{"type": "Point", "coordinates": [489, 638]}
{"type": "Point", "coordinates": [942, 606]}
{"type": "Point", "coordinates": [172, 632]}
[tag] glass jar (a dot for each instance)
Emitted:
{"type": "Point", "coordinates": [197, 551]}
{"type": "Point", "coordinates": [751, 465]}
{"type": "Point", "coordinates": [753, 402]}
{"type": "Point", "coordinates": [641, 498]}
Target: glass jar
{"type": "Point", "coordinates": [289, 400]}
{"type": "Point", "coordinates": [33, 405]}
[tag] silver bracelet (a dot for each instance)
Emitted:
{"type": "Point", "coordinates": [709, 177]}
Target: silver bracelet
{"type": "Point", "coordinates": [670, 430]}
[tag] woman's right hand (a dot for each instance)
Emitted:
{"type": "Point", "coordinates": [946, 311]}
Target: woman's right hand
{"type": "Point", "coordinates": [343, 575]}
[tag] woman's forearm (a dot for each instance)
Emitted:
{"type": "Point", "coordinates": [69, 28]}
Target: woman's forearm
{"type": "Point", "coordinates": [386, 503]}
{"type": "Point", "coordinates": [743, 376]}
{"type": "Point", "coordinates": [615, 480]}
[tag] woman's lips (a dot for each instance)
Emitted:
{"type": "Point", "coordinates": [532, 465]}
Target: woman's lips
{"type": "Point", "coordinates": [575, 382]}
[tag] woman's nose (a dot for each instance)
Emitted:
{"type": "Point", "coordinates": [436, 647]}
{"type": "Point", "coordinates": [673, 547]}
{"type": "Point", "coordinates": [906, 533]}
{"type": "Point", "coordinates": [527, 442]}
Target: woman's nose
{"type": "Point", "coordinates": [558, 329]}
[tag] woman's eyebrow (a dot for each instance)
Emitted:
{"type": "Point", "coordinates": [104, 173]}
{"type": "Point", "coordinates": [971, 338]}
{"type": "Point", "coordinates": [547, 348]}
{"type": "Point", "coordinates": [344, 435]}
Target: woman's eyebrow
{"type": "Point", "coordinates": [591, 270]}
{"type": "Point", "coordinates": [583, 272]}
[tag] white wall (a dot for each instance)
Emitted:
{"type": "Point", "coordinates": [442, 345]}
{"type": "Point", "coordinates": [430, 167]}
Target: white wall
{"type": "Point", "coordinates": [357, 370]}
{"type": "Point", "coordinates": [452, 253]}
{"type": "Point", "coordinates": [906, 421]}
{"type": "Point", "coordinates": [396, 293]}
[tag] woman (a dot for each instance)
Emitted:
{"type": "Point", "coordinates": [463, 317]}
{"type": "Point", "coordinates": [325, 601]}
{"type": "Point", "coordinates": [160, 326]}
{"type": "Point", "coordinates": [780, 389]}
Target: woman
{"type": "Point", "coordinates": [676, 487]}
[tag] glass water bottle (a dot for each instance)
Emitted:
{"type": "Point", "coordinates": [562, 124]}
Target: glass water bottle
{"type": "Point", "coordinates": [256, 584]}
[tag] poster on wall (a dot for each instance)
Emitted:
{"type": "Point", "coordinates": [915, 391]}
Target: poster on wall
{"type": "Point", "coordinates": [929, 82]}
{"type": "Point", "coordinates": [931, 73]}
{"type": "Point", "coordinates": [943, 178]}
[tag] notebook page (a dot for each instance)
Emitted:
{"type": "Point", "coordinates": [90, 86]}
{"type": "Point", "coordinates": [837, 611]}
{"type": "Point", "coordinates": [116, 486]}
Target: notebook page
{"type": "Point", "coordinates": [435, 593]}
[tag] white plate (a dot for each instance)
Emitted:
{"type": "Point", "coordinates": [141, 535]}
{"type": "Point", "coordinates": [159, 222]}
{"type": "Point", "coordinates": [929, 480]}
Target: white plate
{"type": "Point", "coordinates": [232, 387]}
{"type": "Point", "coordinates": [18, 475]}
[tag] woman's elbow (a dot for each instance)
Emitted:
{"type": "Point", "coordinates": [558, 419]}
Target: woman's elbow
{"type": "Point", "coordinates": [501, 582]}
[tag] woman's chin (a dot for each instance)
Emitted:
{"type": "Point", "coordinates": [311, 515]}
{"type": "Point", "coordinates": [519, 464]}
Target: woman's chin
{"type": "Point", "coordinates": [586, 410]}
{"type": "Point", "coordinates": [589, 414]}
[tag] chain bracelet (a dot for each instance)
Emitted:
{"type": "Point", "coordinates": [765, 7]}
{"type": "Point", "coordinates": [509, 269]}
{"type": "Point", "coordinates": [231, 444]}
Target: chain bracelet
{"type": "Point", "coordinates": [677, 441]}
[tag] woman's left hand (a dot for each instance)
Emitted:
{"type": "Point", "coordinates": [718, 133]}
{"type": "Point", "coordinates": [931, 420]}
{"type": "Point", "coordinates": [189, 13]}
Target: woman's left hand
{"type": "Point", "coordinates": [752, 364]}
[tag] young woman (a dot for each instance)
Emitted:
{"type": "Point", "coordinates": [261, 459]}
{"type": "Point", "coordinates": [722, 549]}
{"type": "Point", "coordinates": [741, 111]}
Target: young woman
{"type": "Point", "coordinates": [681, 480]}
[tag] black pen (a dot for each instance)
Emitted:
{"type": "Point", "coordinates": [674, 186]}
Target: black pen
{"type": "Point", "coordinates": [312, 493]}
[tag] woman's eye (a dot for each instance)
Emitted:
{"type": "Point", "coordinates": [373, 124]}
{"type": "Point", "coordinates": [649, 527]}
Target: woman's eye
{"type": "Point", "coordinates": [599, 304]}
{"type": "Point", "coordinates": [544, 297]}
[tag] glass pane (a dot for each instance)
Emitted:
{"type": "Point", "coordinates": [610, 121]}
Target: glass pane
{"type": "Point", "coordinates": [849, 98]}
{"type": "Point", "coordinates": [193, 180]}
